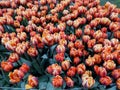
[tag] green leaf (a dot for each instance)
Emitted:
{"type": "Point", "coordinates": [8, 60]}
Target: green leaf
{"type": "Point", "coordinates": [8, 28]}
{"type": "Point", "coordinates": [36, 66]}
{"type": "Point", "coordinates": [25, 61]}
{"type": "Point", "coordinates": [52, 49]}
{"type": "Point", "coordinates": [50, 86]}
{"type": "Point", "coordinates": [112, 88]}
{"type": "Point", "coordinates": [42, 85]}
{"type": "Point", "coordinates": [43, 78]}
{"type": "Point", "coordinates": [24, 22]}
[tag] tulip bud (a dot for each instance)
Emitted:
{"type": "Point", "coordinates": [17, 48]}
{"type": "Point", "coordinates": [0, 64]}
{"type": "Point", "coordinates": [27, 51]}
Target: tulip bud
{"type": "Point", "coordinates": [24, 68]}
{"type": "Point", "coordinates": [6, 66]}
{"type": "Point", "coordinates": [109, 65]}
{"type": "Point", "coordinates": [118, 83]}
{"type": "Point", "coordinates": [32, 52]}
{"type": "Point", "coordinates": [65, 65]}
{"type": "Point", "coordinates": [97, 48]}
{"type": "Point", "coordinates": [90, 61]}
{"type": "Point", "coordinates": [76, 60]}
{"type": "Point", "coordinates": [81, 69]}
{"type": "Point", "coordinates": [32, 81]}
{"type": "Point", "coordinates": [69, 81]}
{"type": "Point", "coordinates": [16, 76]}
{"type": "Point", "coordinates": [78, 44]}
{"type": "Point", "coordinates": [105, 80]}
{"type": "Point", "coordinates": [13, 57]}
{"type": "Point", "coordinates": [116, 73]}
{"type": "Point", "coordinates": [78, 33]}
{"type": "Point", "coordinates": [101, 71]}
{"type": "Point", "coordinates": [70, 45]}
{"type": "Point", "coordinates": [89, 82]}
{"type": "Point", "coordinates": [57, 81]}
{"type": "Point", "coordinates": [59, 57]}
{"type": "Point", "coordinates": [60, 49]}
{"type": "Point", "coordinates": [91, 43]}
{"type": "Point", "coordinates": [72, 71]}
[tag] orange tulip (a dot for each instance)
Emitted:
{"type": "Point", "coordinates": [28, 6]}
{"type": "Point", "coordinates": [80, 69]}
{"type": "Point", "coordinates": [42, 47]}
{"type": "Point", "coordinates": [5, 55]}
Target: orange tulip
{"type": "Point", "coordinates": [57, 81]}
{"type": "Point", "coordinates": [32, 52]}
{"type": "Point", "coordinates": [105, 80]}
{"type": "Point", "coordinates": [24, 68]}
{"type": "Point", "coordinates": [109, 65]}
{"type": "Point", "coordinates": [60, 49]}
{"type": "Point", "coordinates": [101, 71]}
{"type": "Point", "coordinates": [6, 66]}
{"type": "Point", "coordinates": [69, 81]}
{"type": "Point", "coordinates": [59, 57]}
{"type": "Point", "coordinates": [118, 83]}
{"type": "Point", "coordinates": [81, 69]}
{"type": "Point", "coordinates": [16, 76]}
{"type": "Point", "coordinates": [32, 81]}
{"type": "Point", "coordinates": [13, 57]}
{"type": "Point", "coordinates": [76, 60]}
{"type": "Point", "coordinates": [116, 73]}
{"type": "Point", "coordinates": [72, 71]}
{"type": "Point", "coordinates": [65, 65]}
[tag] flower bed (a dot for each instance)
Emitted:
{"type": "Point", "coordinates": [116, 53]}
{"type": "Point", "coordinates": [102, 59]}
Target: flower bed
{"type": "Point", "coordinates": [59, 44]}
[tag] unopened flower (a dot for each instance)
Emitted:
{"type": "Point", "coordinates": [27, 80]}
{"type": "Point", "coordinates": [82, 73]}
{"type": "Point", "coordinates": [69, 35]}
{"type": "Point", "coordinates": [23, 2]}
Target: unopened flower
{"type": "Point", "coordinates": [69, 81]}
{"type": "Point", "coordinates": [54, 69]}
{"type": "Point", "coordinates": [13, 57]}
{"type": "Point", "coordinates": [32, 81]}
{"type": "Point", "coordinates": [81, 69]}
{"type": "Point", "coordinates": [65, 65]}
{"type": "Point", "coordinates": [101, 71]}
{"type": "Point", "coordinates": [76, 60]}
{"type": "Point", "coordinates": [109, 65]}
{"type": "Point", "coordinates": [72, 71]}
{"type": "Point", "coordinates": [78, 33]}
{"type": "Point", "coordinates": [60, 49]}
{"type": "Point", "coordinates": [32, 52]}
{"type": "Point", "coordinates": [90, 61]}
{"type": "Point", "coordinates": [97, 48]}
{"type": "Point", "coordinates": [59, 57]}
{"type": "Point", "coordinates": [89, 82]}
{"type": "Point", "coordinates": [16, 76]}
{"type": "Point", "coordinates": [57, 81]}
{"type": "Point", "coordinates": [70, 45]}
{"type": "Point", "coordinates": [116, 73]}
{"type": "Point", "coordinates": [118, 83]}
{"type": "Point", "coordinates": [6, 66]}
{"type": "Point", "coordinates": [91, 43]}
{"type": "Point", "coordinates": [105, 80]}
{"type": "Point", "coordinates": [25, 68]}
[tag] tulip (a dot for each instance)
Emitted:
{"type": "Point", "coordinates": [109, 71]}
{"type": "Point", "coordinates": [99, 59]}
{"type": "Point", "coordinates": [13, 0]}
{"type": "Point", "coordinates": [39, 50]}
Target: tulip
{"type": "Point", "coordinates": [72, 71]}
{"type": "Point", "coordinates": [16, 76]}
{"type": "Point", "coordinates": [118, 83]}
{"type": "Point", "coordinates": [101, 71]}
{"type": "Point", "coordinates": [109, 65]}
{"type": "Point", "coordinates": [59, 57]}
{"type": "Point", "coordinates": [32, 52]}
{"type": "Point", "coordinates": [57, 81]}
{"type": "Point", "coordinates": [90, 61]}
{"type": "Point", "coordinates": [105, 80]}
{"type": "Point", "coordinates": [65, 65]}
{"type": "Point", "coordinates": [97, 48]}
{"type": "Point", "coordinates": [24, 68]}
{"type": "Point", "coordinates": [81, 69]}
{"type": "Point", "coordinates": [6, 66]}
{"type": "Point", "coordinates": [116, 73]}
{"type": "Point", "coordinates": [60, 49]}
{"type": "Point", "coordinates": [78, 33]}
{"type": "Point", "coordinates": [76, 60]}
{"type": "Point", "coordinates": [13, 57]}
{"type": "Point", "coordinates": [69, 81]}
{"type": "Point", "coordinates": [89, 82]}
{"type": "Point", "coordinates": [32, 81]}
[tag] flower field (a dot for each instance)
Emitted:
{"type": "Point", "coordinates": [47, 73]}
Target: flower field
{"type": "Point", "coordinates": [60, 44]}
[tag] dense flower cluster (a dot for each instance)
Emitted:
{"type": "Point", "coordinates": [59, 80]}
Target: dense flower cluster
{"type": "Point", "coordinates": [84, 31]}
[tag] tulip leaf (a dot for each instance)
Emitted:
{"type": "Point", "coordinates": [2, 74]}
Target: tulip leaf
{"type": "Point", "coordinates": [50, 86]}
{"type": "Point", "coordinates": [42, 85]}
{"type": "Point", "coordinates": [8, 28]}
{"type": "Point", "coordinates": [24, 21]}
